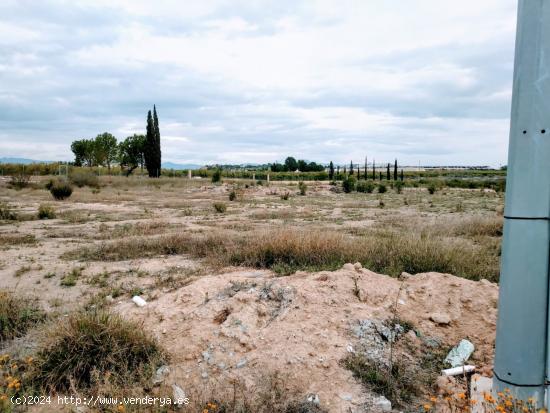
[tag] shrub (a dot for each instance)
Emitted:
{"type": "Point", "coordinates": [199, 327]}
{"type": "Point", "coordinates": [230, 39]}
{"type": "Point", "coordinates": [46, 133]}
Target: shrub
{"type": "Point", "coordinates": [432, 188]}
{"type": "Point", "coordinates": [6, 212]}
{"type": "Point", "coordinates": [46, 212]}
{"type": "Point", "coordinates": [91, 343]}
{"type": "Point", "coordinates": [285, 196]}
{"type": "Point", "coordinates": [220, 207]}
{"type": "Point", "coordinates": [232, 195]}
{"type": "Point", "coordinates": [217, 176]}
{"type": "Point", "coordinates": [399, 186]}
{"type": "Point", "coordinates": [69, 280]}
{"type": "Point", "coordinates": [17, 315]}
{"type": "Point", "coordinates": [349, 183]}
{"type": "Point", "coordinates": [19, 180]}
{"type": "Point", "coordinates": [365, 186]}
{"type": "Point", "coordinates": [382, 188]}
{"type": "Point", "coordinates": [84, 178]}
{"type": "Point", "coordinates": [61, 190]}
{"type": "Point", "coordinates": [302, 187]}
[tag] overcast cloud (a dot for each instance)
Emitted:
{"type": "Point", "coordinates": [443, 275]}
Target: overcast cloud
{"type": "Point", "coordinates": [424, 81]}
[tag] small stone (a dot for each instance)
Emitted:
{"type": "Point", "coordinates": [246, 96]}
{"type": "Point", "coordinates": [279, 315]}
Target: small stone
{"type": "Point", "coordinates": [412, 336]}
{"type": "Point", "coordinates": [357, 266]}
{"type": "Point", "coordinates": [204, 375]}
{"type": "Point", "coordinates": [347, 397]}
{"type": "Point", "coordinates": [440, 318]}
{"type": "Point", "coordinates": [179, 394]}
{"type": "Point", "coordinates": [383, 404]}
{"type": "Point", "coordinates": [313, 398]}
{"type": "Point", "coordinates": [405, 275]}
{"type": "Point", "coordinates": [241, 363]}
{"type": "Point", "coordinates": [160, 374]}
{"type": "Point", "coordinates": [349, 267]}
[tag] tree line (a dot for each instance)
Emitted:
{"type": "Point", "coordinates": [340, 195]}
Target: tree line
{"type": "Point", "coordinates": [293, 165]}
{"type": "Point", "coordinates": [133, 152]}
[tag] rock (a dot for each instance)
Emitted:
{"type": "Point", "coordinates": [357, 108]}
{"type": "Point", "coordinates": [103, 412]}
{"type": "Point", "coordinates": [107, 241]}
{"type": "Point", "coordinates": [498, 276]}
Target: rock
{"type": "Point", "coordinates": [383, 404]}
{"type": "Point", "coordinates": [346, 396]}
{"type": "Point", "coordinates": [349, 267]}
{"type": "Point", "coordinates": [160, 374]}
{"type": "Point", "coordinates": [140, 302]}
{"type": "Point", "coordinates": [204, 375]}
{"type": "Point", "coordinates": [460, 354]}
{"type": "Point", "coordinates": [109, 299]}
{"type": "Point", "coordinates": [313, 398]}
{"type": "Point", "coordinates": [242, 363]}
{"type": "Point", "coordinates": [404, 275]}
{"type": "Point", "coordinates": [179, 395]}
{"type": "Point", "coordinates": [440, 318]}
{"type": "Point", "coordinates": [357, 266]}
{"type": "Point", "coordinates": [411, 335]}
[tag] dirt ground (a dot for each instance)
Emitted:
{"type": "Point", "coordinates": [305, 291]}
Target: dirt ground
{"type": "Point", "coordinates": [220, 324]}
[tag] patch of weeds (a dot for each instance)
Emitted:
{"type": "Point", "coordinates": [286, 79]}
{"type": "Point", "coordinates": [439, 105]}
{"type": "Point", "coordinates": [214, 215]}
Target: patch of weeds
{"type": "Point", "coordinates": [70, 279]}
{"type": "Point", "coordinates": [6, 213]}
{"type": "Point", "coordinates": [9, 240]}
{"type": "Point", "coordinates": [49, 275]}
{"type": "Point", "coordinates": [18, 314]}
{"type": "Point", "coordinates": [397, 383]}
{"type": "Point", "coordinates": [22, 270]}
{"type": "Point", "coordinates": [46, 212]}
{"type": "Point", "coordinates": [79, 352]}
{"type": "Point", "coordinates": [219, 207]}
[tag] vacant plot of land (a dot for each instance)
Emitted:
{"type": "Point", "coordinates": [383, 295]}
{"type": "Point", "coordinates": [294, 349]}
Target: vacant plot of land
{"type": "Point", "coordinates": [161, 239]}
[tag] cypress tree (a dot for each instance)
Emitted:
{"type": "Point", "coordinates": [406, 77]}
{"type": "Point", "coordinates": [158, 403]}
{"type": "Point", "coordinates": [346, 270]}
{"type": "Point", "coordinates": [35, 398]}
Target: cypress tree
{"type": "Point", "coordinates": [373, 169]}
{"type": "Point", "coordinates": [351, 168]}
{"type": "Point", "coordinates": [366, 172]}
{"type": "Point", "coordinates": [388, 176]}
{"type": "Point", "coordinates": [395, 171]}
{"type": "Point", "coordinates": [149, 149]}
{"type": "Point", "coordinates": [380, 175]}
{"type": "Point", "coordinates": [402, 175]}
{"type": "Point", "coordinates": [358, 173]}
{"type": "Point", "coordinates": [338, 172]}
{"type": "Point", "coordinates": [157, 141]}
{"type": "Point", "coordinates": [331, 171]}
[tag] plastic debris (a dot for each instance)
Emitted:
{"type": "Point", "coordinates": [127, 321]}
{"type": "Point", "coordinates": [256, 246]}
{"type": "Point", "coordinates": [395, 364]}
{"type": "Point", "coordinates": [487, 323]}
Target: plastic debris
{"type": "Point", "coordinates": [140, 302]}
{"type": "Point", "coordinates": [458, 371]}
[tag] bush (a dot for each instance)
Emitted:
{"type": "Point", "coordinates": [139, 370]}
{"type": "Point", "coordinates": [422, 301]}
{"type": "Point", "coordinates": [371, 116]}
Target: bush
{"type": "Point", "coordinates": [61, 190]}
{"type": "Point", "coordinates": [19, 180]}
{"type": "Point", "coordinates": [232, 195]}
{"type": "Point", "coordinates": [432, 188]}
{"type": "Point", "coordinates": [217, 176]}
{"type": "Point", "coordinates": [6, 212]}
{"type": "Point", "coordinates": [95, 343]}
{"type": "Point", "coordinates": [382, 189]}
{"type": "Point", "coordinates": [285, 196]}
{"type": "Point", "coordinates": [399, 186]}
{"type": "Point", "coordinates": [46, 212]}
{"type": "Point", "coordinates": [17, 315]}
{"type": "Point", "coordinates": [365, 186]}
{"type": "Point", "coordinates": [349, 183]}
{"type": "Point", "coordinates": [84, 178]}
{"type": "Point", "coordinates": [220, 207]}
{"type": "Point", "coordinates": [302, 187]}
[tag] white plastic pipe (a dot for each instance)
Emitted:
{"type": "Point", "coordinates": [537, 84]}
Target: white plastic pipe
{"type": "Point", "coordinates": [458, 371]}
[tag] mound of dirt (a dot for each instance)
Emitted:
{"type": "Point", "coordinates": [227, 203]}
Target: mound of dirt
{"type": "Point", "coordinates": [243, 323]}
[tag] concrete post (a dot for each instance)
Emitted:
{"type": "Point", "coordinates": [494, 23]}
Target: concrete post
{"type": "Point", "coordinates": [189, 174]}
{"type": "Point", "coordinates": [521, 356]}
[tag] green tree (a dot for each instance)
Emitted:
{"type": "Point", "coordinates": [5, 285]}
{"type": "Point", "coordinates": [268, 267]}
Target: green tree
{"type": "Point", "coordinates": [351, 168]}
{"type": "Point", "coordinates": [395, 171]}
{"type": "Point", "coordinates": [158, 157]}
{"type": "Point", "coordinates": [366, 169]}
{"type": "Point", "coordinates": [83, 152]}
{"type": "Point", "coordinates": [302, 166]}
{"type": "Point", "coordinates": [373, 169]}
{"type": "Point", "coordinates": [149, 150]}
{"type": "Point", "coordinates": [291, 164]}
{"type": "Point", "coordinates": [105, 149]}
{"type": "Point", "coordinates": [388, 176]}
{"type": "Point", "coordinates": [331, 171]}
{"type": "Point", "coordinates": [130, 153]}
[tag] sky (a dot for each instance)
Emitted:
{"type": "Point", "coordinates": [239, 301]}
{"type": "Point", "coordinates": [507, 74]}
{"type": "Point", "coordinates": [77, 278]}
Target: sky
{"type": "Point", "coordinates": [251, 81]}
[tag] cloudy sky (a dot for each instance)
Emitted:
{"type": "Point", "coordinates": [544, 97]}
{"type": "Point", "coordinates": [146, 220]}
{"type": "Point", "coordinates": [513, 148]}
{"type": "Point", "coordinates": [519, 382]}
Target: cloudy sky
{"type": "Point", "coordinates": [239, 81]}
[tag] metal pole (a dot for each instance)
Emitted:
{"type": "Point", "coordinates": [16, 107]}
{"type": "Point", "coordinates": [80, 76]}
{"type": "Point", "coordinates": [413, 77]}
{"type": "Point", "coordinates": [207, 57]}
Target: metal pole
{"type": "Point", "coordinates": [521, 355]}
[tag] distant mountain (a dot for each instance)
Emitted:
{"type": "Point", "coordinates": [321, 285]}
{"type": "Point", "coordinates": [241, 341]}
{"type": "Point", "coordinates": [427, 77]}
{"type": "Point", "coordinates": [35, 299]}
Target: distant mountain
{"type": "Point", "coordinates": [172, 165]}
{"type": "Point", "coordinates": [24, 161]}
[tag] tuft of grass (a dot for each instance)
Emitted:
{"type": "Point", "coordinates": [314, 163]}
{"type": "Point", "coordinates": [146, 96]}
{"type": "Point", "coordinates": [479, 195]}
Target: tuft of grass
{"type": "Point", "coordinates": [61, 190]}
{"type": "Point", "coordinates": [70, 279]}
{"type": "Point", "coordinates": [22, 270]}
{"type": "Point", "coordinates": [46, 212]}
{"type": "Point", "coordinates": [396, 383]}
{"type": "Point", "coordinates": [18, 314]}
{"type": "Point", "coordinates": [6, 212]}
{"type": "Point", "coordinates": [219, 207]}
{"type": "Point", "coordinates": [92, 344]}
{"type": "Point", "coordinates": [9, 240]}
{"type": "Point", "coordinates": [82, 178]}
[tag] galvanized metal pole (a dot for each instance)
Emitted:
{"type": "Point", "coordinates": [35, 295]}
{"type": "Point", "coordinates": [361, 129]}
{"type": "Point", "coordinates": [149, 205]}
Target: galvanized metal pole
{"type": "Point", "coordinates": [521, 355]}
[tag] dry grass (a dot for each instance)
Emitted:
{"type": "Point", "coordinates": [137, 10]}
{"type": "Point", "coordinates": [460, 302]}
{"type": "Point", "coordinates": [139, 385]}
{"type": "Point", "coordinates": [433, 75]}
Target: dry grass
{"type": "Point", "coordinates": [287, 250]}
{"type": "Point", "coordinates": [9, 240]}
{"type": "Point", "coordinates": [90, 345]}
{"type": "Point", "coordinates": [17, 314]}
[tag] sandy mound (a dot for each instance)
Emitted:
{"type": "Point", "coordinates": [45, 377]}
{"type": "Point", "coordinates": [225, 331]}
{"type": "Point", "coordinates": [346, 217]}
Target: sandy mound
{"type": "Point", "coordinates": [243, 323]}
